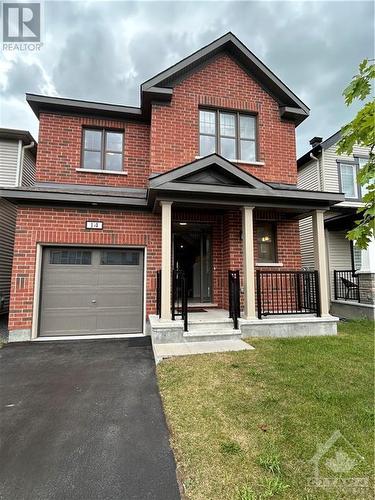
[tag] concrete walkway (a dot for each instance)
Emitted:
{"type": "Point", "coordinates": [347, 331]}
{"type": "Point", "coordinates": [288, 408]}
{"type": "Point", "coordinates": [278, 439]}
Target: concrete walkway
{"type": "Point", "coordinates": [83, 420]}
{"type": "Point", "coordinates": [162, 351]}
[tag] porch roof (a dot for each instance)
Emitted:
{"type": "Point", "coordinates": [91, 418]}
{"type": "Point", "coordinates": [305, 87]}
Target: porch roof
{"type": "Point", "coordinates": [213, 181]}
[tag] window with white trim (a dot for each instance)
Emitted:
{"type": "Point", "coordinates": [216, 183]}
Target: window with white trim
{"type": "Point", "coordinates": [361, 163]}
{"type": "Point", "coordinates": [348, 180]}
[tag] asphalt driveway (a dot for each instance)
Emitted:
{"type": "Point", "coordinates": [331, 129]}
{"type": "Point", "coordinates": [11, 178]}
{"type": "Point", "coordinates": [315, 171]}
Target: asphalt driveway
{"type": "Point", "coordinates": [83, 420]}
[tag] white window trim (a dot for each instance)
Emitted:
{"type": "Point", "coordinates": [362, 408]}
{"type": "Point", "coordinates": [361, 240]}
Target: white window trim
{"type": "Point", "coordinates": [258, 163]}
{"type": "Point", "coordinates": [101, 171]}
{"type": "Point", "coordinates": [269, 264]}
{"type": "Point", "coordinates": [354, 167]}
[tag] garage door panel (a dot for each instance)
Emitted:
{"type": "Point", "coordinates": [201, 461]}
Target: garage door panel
{"type": "Point", "coordinates": [68, 298]}
{"type": "Point", "coordinates": [70, 276]}
{"type": "Point", "coordinates": [65, 321]}
{"type": "Point", "coordinates": [91, 291]}
{"type": "Point", "coordinates": [114, 321]}
{"type": "Point", "coordinates": [119, 298]}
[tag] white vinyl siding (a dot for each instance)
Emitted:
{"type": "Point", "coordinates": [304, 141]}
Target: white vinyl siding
{"type": "Point", "coordinates": [308, 176]}
{"type": "Point", "coordinates": [307, 243]}
{"type": "Point", "coordinates": [8, 213]}
{"type": "Point", "coordinates": [28, 169]}
{"type": "Point", "coordinates": [8, 162]}
{"type": "Point", "coordinates": [339, 254]}
{"type": "Point", "coordinates": [330, 170]}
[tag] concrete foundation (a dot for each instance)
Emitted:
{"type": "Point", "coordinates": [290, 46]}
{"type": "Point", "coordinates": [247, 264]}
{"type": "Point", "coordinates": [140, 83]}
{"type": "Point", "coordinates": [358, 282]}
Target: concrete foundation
{"type": "Point", "coordinates": [292, 326]}
{"type": "Point", "coordinates": [352, 310]}
{"type": "Point", "coordinates": [19, 335]}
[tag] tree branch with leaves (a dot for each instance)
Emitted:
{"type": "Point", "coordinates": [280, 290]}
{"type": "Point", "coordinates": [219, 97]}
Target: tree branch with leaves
{"type": "Point", "coordinates": [361, 132]}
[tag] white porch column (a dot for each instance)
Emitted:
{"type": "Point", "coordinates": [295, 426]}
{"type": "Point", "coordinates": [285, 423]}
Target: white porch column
{"type": "Point", "coordinates": [320, 259]}
{"type": "Point", "coordinates": [166, 247]}
{"type": "Point", "coordinates": [248, 262]}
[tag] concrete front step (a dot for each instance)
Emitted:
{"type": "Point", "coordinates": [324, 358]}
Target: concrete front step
{"type": "Point", "coordinates": [211, 335]}
{"type": "Point", "coordinates": [209, 326]}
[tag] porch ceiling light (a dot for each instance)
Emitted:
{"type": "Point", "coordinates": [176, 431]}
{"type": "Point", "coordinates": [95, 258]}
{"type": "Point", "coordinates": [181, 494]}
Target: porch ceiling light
{"type": "Point", "coordinates": [183, 223]}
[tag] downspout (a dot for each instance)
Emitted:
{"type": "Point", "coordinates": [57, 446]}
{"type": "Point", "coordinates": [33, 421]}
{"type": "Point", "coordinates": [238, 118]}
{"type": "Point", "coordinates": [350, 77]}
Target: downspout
{"type": "Point", "coordinates": [20, 170]}
{"type": "Point", "coordinates": [19, 156]}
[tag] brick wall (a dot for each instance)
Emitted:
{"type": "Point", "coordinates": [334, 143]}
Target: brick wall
{"type": "Point", "coordinates": [59, 151]}
{"type": "Point", "coordinates": [172, 138]}
{"type": "Point", "coordinates": [222, 84]}
{"type": "Point", "coordinates": [67, 226]}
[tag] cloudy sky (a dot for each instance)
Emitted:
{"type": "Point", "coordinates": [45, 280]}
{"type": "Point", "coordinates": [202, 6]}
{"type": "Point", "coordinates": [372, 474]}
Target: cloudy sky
{"type": "Point", "coordinates": [102, 51]}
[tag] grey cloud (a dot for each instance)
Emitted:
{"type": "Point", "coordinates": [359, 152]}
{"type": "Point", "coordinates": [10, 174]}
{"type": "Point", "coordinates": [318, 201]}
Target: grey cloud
{"type": "Point", "coordinates": [23, 77]}
{"type": "Point", "coordinates": [104, 51]}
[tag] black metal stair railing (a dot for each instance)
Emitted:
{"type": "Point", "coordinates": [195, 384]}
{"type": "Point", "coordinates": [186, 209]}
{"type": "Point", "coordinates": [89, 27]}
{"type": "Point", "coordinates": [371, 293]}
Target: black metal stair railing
{"type": "Point", "coordinates": [158, 293]}
{"type": "Point", "coordinates": [179, 297]}
{"type": "Point", "coordinates": [234, 296]}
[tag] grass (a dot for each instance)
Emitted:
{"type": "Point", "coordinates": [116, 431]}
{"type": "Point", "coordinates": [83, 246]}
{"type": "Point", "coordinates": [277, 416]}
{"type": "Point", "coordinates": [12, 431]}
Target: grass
{"type": "Point", "coordinates": [245, 425]}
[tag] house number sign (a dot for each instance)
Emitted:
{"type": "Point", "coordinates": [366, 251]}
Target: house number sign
{"type": "Point", "coordinates": [94, 224]}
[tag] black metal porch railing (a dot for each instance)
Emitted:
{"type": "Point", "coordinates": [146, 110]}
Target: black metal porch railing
{"type": "Point", "coordinates": [158, 293]}
{"type": "Point", "coordinates": [179, 297]}
{"type": "Point", "coordinates": [287, 292]}
{"type": "Point", "coordinates": [346, 285]}
{"type": "Point", "coordinates": [234, 296]}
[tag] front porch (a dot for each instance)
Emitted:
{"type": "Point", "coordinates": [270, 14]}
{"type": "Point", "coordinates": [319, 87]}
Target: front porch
{"type": "Point", "coordinates": [351, 271]}
{"type": "Point", "coordinates": [231, 240]}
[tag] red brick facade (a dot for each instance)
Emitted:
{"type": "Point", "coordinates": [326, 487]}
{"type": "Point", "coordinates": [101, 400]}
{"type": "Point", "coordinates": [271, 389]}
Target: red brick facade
{"type": "Point", "coordinates": [38, 225]}
{"type": "Point", "coordinates": [168, 141]}
{"type": "Point", "coordinates": [59, 151]}
{"type": "Point", "coordinates": [223, 84]}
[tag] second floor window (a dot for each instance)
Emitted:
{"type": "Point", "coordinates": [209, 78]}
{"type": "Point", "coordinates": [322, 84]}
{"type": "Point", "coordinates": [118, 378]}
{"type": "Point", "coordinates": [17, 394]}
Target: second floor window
{"type": "Point", "coordinates": [348, 180]}
{"type": "Point", "coordinates": [102, 149]}
{"type": "Point", "coordinates": [230, 134]}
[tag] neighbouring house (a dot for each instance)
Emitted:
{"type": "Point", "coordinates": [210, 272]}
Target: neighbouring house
{"type": "Point", "coordinates": [17, 168]}
{"type": "Point", "coordinates": [170, 217]}
{"type": "Point", "coordinates": [351, 271]}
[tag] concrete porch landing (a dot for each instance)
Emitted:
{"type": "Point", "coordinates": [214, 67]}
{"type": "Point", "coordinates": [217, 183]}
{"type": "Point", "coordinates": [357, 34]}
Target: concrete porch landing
{"type": "Point", "coordinates": [212, 331]}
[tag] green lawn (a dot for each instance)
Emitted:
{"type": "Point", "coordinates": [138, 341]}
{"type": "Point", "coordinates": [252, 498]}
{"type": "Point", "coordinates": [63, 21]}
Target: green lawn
{"type": "Point", "coordinates": [244, 425]}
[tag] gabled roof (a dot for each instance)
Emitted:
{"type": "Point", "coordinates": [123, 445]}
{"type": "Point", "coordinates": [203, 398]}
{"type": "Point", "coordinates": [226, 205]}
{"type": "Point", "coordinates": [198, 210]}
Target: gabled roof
{"type": "Point", "coordinates": [213, 180]}
{"type": "Point", "coordinates": [316, 150]}
{"type": "Point", "coordinates": [291, 106]}
{"type": "Point", "coordinates": [214, 170]}
{"type": "Point", "coordinates": [160, 87]}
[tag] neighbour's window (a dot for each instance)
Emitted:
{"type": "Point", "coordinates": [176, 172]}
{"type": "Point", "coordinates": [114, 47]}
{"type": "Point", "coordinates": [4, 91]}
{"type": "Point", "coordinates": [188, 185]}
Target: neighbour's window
{"type": "Point", "coordinates": [348, 180]}
{"type": "Point", "coordinates": [232, 135]}
{"type": "Point", "coordinates": [70, 257]}
{"type": "Point", "coordinates": [266, 241]}
{"type": "Point", "coordinates": [119, 258]}
{"type": "Point", "coordinates": [361, 163]}
{"type": "Point", "coordinates": [102, 149]}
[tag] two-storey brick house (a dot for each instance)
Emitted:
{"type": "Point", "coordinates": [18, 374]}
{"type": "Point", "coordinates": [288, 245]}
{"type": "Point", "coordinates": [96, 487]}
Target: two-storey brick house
{"type": "Point", "coordinates": [201, 179]}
